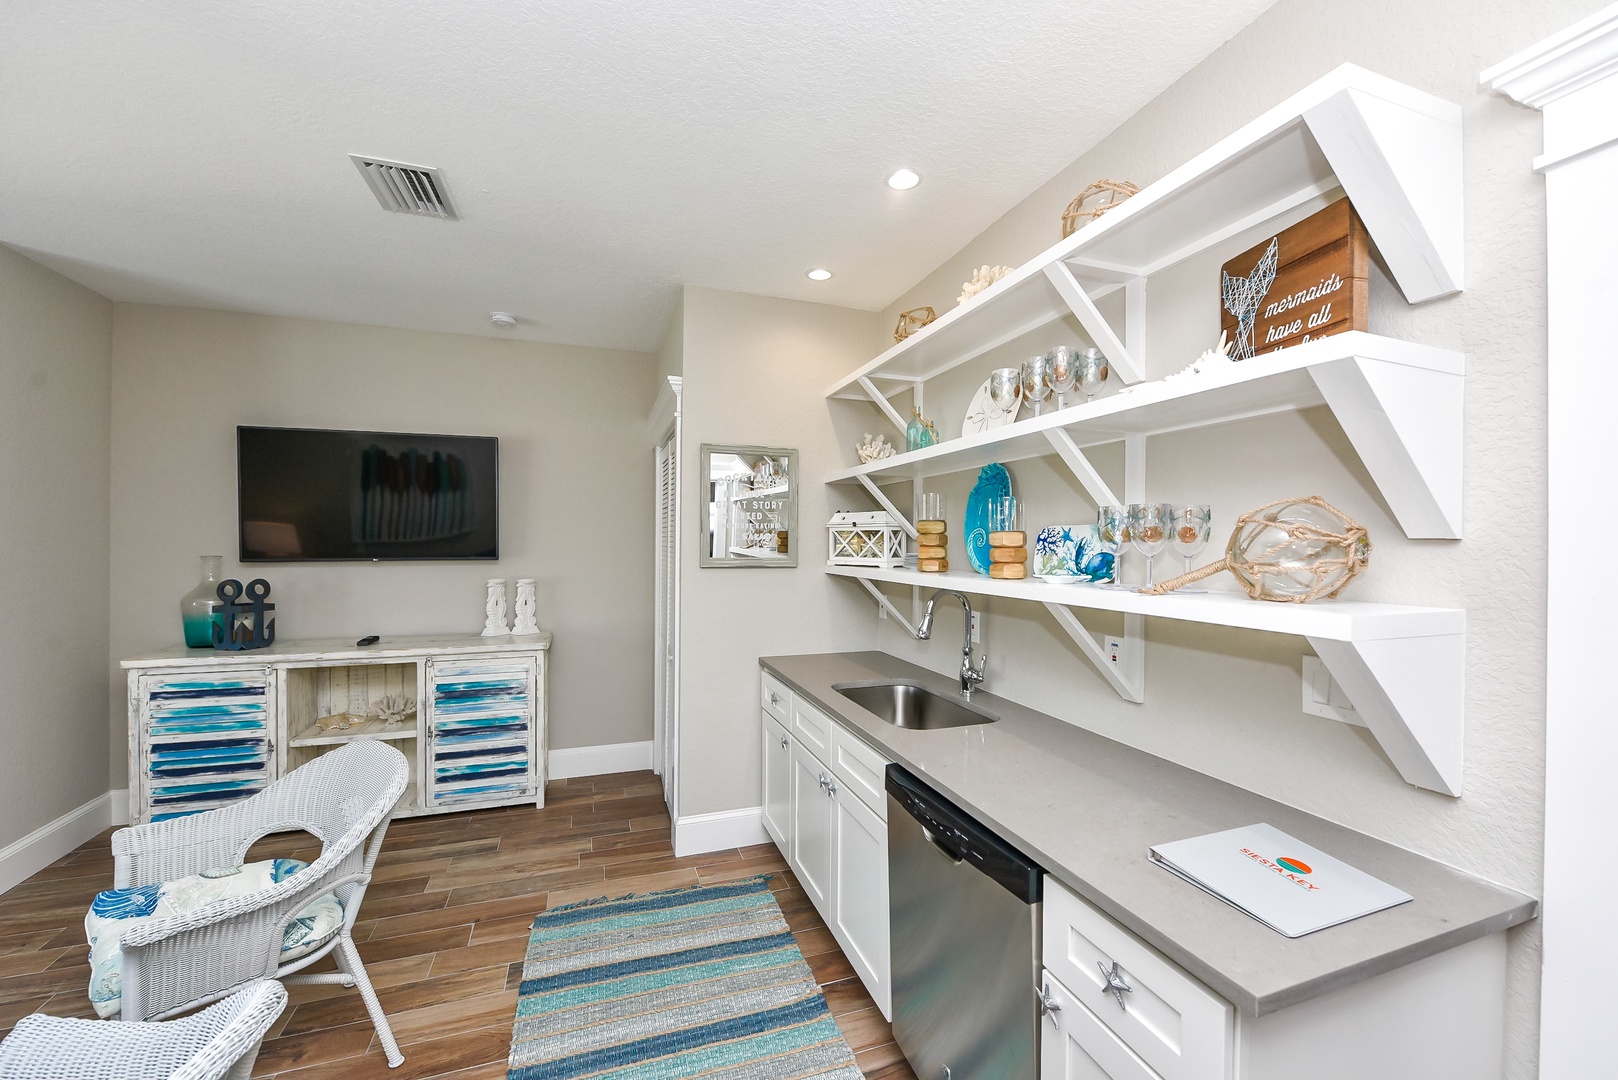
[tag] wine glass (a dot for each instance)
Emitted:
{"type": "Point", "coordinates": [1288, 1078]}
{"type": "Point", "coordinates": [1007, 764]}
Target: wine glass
{"type": "Point", "coordinates": [1149, 530]}
{"type": "Point", "coordinates": [1005, 390]}
{"type": "Point", "coordinates": [1061, 373]}
{"type": "Point", "coordinates": [1092, 372]}
{"type": "Point", "coordinates": [1036, 385]}
{"type": "Point", "coordinates": [1112, 523]}
{"type": "Point", "coordinates": [1191, 528]}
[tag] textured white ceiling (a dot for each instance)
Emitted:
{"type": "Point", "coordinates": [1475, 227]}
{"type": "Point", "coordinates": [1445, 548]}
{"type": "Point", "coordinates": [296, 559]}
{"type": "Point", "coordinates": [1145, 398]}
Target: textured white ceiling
{"type": "Point", "coordinates": [600, 153]}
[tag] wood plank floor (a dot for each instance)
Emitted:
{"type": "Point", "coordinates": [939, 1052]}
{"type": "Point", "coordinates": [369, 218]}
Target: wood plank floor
{"type": "Point", "coordinates": [443, 930]}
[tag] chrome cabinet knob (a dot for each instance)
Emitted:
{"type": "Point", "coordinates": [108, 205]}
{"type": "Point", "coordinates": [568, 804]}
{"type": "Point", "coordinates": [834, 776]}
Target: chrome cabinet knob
{"type": "Point", "coordinates": [831, 788]}
{"type": "Point", "coordinates": [1114, 980]}
{"type": "Point", "coordinates": [775, 699]}
{"type": "Point", "coordinates": [823, 781]}
{"type": "Point", "coordinates": [783, 742]}
{"type": "Point", "coordinates": [1048, 1005]}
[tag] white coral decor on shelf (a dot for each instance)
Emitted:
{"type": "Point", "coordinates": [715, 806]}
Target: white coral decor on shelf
{"type": "Point", "coordinates": [1211, 359]}
{"type": "Point", "coordinates": [873, 448]}
{"type": "Point", "coordinates": [985, 276]}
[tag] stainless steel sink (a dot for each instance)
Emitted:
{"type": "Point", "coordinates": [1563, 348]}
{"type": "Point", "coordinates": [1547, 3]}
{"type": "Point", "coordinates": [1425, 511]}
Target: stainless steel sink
{"type": "Point", "coordinates": [911, 705]}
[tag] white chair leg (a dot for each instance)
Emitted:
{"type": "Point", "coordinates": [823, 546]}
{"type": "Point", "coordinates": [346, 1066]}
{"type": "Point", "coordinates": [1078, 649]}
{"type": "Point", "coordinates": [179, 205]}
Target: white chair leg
{"type": "Point", "coordinates": [349, 958]}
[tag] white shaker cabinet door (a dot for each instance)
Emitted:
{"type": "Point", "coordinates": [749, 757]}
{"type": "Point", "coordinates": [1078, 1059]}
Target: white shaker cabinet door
{"type": "Point", "coordinates": [860, 884]}
{"type": "Point", "coordinates": [812, 826]}
{"type": "Point", "coordinates": [1074, 1045]}
{"type": "Point", "coordinates": [778, 785]}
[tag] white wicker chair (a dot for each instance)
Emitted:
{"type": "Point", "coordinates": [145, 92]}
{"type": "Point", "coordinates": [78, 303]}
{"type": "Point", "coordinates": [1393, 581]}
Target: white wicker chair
{"type": "Point", "coordinates": [219, 1043]}
{"type": "Point", "coordinates": [346, 799]}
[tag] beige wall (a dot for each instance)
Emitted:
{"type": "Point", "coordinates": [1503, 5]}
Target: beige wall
{"type": "Point", "coordinates": [1226, 702]}
{"type": "Point", "coordinates": [55, 388]}
{"type": "Point", "coordinates": [576, 489]}
{"type": "Point", "coordinates": [755, 370]}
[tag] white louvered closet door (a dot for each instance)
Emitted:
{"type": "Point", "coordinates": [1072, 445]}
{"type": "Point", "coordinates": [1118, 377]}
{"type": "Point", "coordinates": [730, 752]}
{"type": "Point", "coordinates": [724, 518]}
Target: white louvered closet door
{"type": "Point", "coordinates": [664, 746]}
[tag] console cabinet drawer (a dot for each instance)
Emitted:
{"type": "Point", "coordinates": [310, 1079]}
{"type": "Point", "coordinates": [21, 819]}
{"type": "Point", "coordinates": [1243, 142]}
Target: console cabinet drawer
{"type": "Point", "coordinates": [1174, 1023]}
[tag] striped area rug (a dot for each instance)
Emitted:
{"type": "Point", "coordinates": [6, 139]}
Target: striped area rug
{"type": "Point", "coordinates": [705, 981]}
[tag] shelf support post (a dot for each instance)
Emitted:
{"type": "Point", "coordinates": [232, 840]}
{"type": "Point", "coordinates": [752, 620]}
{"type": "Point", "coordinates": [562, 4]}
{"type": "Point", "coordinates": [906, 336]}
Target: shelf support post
{"type": "Point", "coordinates": [1075, 460]}
{"type": "Point", "coordinates": [1128, 676]}
{"type": "Point", "coordinates": [883, 403]}
{"type": "Point", "coordinates": [1095, 324]}
{"type": "Point", "coordinates": [1411, 693]}
{"type": "Point", "coordinates": [887, 605]}
{"type": "Point", "coordinates": [886, 504]}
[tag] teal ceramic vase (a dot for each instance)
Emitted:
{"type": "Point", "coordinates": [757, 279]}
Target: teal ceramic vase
{"type": "Point", "coordinates": [199, 608]}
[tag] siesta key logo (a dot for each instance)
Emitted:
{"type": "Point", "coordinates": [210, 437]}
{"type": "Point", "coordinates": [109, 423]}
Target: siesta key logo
{"type": "Point", "coordinates": [1294, 870]}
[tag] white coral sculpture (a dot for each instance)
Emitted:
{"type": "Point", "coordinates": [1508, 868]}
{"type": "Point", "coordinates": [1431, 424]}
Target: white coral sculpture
{"type": "Point", "coordinates": [1216, 357]}
{"type": "Point", "coordinates": [393, 709]}
{"type": "Point", "coordinates": [873, 448]}
{"type": "Point", "coordinates": [985, 276]}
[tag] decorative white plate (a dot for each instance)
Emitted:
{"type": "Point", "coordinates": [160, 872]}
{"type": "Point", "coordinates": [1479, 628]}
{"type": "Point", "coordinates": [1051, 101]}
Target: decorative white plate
{"type": "Point", "coordinates": [982, 416]}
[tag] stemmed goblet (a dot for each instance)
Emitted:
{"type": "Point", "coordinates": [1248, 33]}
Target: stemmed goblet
{"type": "Point", "coordinates": [1005, 390]}
{"type": "Point", "coordinates": [1192, 528]}
{"type": "Point", "coordinates": [1036, 384]}
{"type": "Point", "coordinates": [1092, 372]}
{"type": "Point", "coordinates": [1149, 530]}
{"type": "Point", "coordinates": [1112, 525]}
{"type": "Point", "coordinates": [1061, 373]}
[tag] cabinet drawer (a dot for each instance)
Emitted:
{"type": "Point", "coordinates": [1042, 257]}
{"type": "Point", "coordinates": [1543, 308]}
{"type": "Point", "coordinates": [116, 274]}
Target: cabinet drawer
{"type": "Point", "coordinates": [1171, 1021]}
{"type": "Point", "coordinates": [860, 768]}
{"type": "Point", "coordinates": [1074, 1045]}
{"type": "Point", "coordinates": [811, 727]}
{"type": "Point", "coordinates": [775, 697]}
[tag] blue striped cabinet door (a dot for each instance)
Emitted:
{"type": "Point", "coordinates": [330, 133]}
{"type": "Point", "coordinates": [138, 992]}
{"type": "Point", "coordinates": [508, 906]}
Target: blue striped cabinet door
{"type": "Point", "coordinates": [481, 731]}
{"type": "Point", "coordinates": [205, 740]}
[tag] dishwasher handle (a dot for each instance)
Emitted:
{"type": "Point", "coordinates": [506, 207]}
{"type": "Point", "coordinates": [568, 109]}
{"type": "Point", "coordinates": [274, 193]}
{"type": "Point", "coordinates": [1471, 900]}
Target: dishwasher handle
{"type": "Point", "coordinates": [941, 847]}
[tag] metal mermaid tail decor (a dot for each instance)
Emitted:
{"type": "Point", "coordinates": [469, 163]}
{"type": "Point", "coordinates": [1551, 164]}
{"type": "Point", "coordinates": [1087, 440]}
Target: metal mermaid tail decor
{"type": "Point", "coordinates": [1242, 296]}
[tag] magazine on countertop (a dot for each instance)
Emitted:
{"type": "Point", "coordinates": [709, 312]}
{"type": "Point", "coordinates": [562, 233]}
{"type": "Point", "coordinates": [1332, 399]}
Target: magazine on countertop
{"type": "Point", "coordinates": [1292, 888]}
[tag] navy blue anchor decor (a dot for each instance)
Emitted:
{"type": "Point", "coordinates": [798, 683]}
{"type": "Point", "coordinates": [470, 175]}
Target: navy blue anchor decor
{"type": "Point", "coordinates": [241, 625]}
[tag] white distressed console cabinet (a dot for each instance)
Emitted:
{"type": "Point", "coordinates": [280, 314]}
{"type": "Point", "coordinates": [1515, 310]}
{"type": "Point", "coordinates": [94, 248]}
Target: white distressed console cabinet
{"type": "Point", "coordinates": [208, 728]}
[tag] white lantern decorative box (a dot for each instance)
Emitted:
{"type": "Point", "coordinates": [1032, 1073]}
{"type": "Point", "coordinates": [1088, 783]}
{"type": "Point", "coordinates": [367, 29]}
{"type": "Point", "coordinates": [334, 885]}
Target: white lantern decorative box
{"type": "Point", "coordinates": [865, 538]}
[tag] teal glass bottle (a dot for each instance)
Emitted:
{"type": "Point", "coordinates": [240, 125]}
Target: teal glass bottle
{"type": "Point", "coordinates": [200, 607]}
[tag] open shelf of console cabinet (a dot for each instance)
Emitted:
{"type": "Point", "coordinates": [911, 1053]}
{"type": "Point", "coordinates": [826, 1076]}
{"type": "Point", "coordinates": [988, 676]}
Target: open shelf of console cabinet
{"type": "Point", "coordinates": [1396, 153]}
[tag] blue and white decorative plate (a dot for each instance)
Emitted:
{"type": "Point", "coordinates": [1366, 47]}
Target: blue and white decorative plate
{"type": "Point", "coordinates": [1072, 550]}
{"type": "Point", "coordinates": [993, 483]}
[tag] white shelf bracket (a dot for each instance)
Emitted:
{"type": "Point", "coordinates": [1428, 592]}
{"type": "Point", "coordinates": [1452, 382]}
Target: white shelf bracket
{"type": "Point", "coordinates": [887, 504]}
{"type": "Point", "coordinates": [1402, 168]}
{"type": "Point", "coordinates": [887, 605]}
{"type": "Point", "coordinates": [1081, 467]}
{"type": "Point", "coordinates": [883, 403]}
{"type": "Point", "coordinates": [1411, 693]}
{"type": "Point", "coordinates": [1128, 675]}
{"type": "Point", "coordinates": [1405, 423]}
{"type": "Point", "coordinates": [1090, 317]}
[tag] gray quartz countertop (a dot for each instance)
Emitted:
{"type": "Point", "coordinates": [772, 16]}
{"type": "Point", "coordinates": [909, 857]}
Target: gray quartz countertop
{"type": "Point", "coordinates": [1088, 808]}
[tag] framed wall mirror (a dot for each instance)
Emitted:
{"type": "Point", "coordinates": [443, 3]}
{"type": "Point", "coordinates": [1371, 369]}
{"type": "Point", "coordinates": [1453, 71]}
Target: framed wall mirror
{"type": "Point", "coordinates": [749, 511]}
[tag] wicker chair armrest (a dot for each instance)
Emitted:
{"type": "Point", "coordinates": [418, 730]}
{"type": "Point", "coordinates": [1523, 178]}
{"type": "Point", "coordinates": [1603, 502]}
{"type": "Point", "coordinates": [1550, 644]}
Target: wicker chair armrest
{"type": "Point", "coordinates": [164, 850]}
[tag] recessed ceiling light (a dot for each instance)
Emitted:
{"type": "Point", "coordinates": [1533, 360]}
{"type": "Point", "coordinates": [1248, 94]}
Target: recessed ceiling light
{"type": "Point", "coordinates": [819, 274]}
{"type": "Point", "coordinates": [904, 180]}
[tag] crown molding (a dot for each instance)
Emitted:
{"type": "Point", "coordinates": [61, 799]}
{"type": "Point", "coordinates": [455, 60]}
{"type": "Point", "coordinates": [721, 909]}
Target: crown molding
{"type": "Point", "coordinates": [1570, 60]}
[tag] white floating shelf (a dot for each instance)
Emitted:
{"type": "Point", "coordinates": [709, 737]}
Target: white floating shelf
{"type": "Point", "coordinates": [1403, 666]}
{"type": "Point", "coordinates": [1399, 403]}
{"type": "Point", "coordinates": [1395, 151]}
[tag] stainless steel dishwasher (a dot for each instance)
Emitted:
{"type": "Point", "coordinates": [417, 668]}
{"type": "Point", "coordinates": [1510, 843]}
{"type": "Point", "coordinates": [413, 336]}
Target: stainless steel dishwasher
{"type": "Point", "coordinates": [965, 940]}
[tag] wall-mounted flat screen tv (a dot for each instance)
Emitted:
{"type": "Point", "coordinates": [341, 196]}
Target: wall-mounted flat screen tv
{"type": "Point", "coordinates": [324, 496]}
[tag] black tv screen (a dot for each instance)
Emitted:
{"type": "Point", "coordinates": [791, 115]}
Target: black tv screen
{"type": "Point", "coordinates": [310, 495]}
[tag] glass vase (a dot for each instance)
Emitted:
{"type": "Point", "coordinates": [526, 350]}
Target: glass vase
{"type": "Point", "coordinates": [199, 608]}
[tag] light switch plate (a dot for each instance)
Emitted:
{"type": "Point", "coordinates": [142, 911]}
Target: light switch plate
{"type": "Point", "coordinates": [1323, 697]}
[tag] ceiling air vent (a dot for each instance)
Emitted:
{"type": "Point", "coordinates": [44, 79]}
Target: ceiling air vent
{"type": "Point", "coordinates": [405, 189]}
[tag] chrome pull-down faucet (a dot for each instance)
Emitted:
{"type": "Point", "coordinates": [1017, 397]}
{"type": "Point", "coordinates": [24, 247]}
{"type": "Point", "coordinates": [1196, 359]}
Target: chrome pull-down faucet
{"type": "Point", "coordinates": [971, 677]}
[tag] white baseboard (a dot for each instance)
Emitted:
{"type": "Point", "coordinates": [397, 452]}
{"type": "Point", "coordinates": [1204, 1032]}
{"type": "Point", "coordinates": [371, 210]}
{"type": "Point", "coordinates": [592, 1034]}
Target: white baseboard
{"type": "Point", "coordinates": [599, 760]}
{"type": "Point", "coordinates": [23, 858]}
{"type": "Point", "coordinates": [697, 833]}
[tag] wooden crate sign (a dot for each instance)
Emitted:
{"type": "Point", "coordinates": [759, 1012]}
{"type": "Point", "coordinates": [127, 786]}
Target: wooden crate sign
{"type": "Point", "coordinates": [1305, 282]}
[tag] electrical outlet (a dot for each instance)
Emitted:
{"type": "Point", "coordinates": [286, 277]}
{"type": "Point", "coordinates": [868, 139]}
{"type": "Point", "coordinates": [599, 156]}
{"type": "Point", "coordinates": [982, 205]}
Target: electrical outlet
{"type": "Point", "coordinates": [1115, 649]}
{"type": "Point", "coordinates": [977, 628]}
{"type": "Point", "coordinates": [881, 612]}
{"type": "Point", "coordinates": [1323, 697]}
